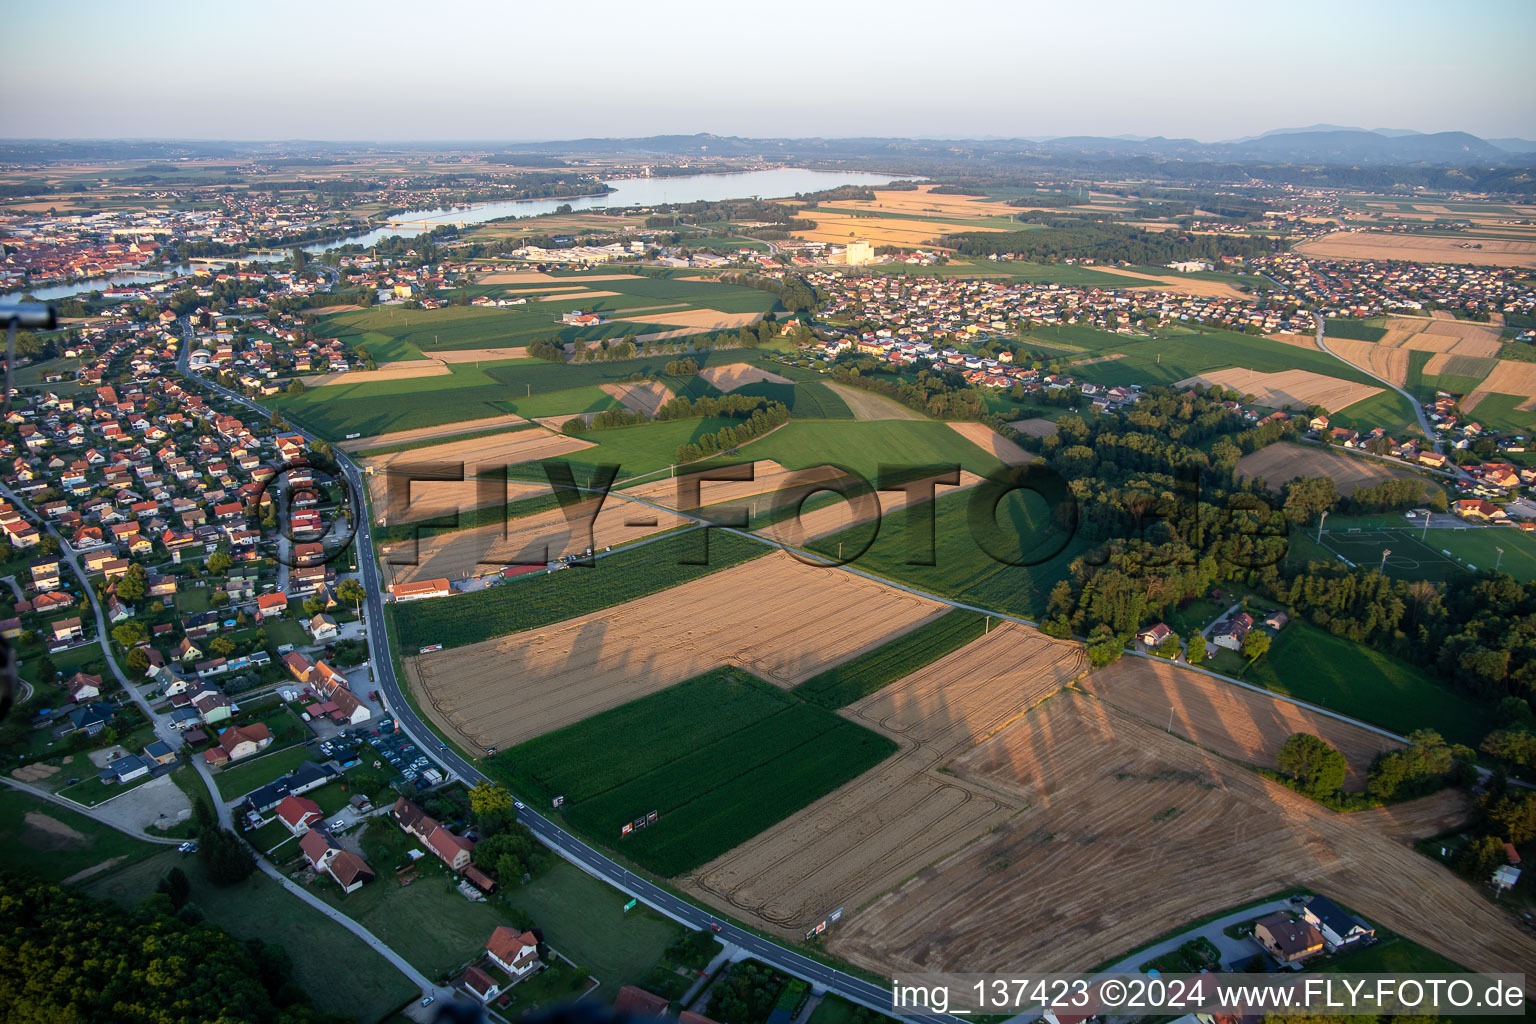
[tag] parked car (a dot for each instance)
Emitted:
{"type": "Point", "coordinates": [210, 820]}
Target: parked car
{"type": "Point", "coordinates": [190, 846]}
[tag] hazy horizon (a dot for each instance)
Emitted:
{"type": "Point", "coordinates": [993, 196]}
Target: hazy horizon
{"type": "Point", "coordinates": [380, 72]}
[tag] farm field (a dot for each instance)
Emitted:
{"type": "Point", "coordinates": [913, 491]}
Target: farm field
{"type": "Point", "coordinates": [866, 405]}
{"type": "Point", "coordinates": [1280, 463]}
{"type": "Point", "coordinates": [542, 598]}
{"type": "Point", "coordinates": [730, 376]}
{"type": "Point", "coordinates": [836, 516]}
{"type": "Point", "coordinates": [1035, 427]}
{"type": "Point", "coordinates": [720, 757]}
{"type": "Point", "coordinates": [1229, 720]}
{"type": "Point", "coordinates": [1507, 377]}
{"type": "Point", "coordinates": [864, 446]}
{"type": "Point", "coordinates": [861, 676]}
{"type": "Point", "coordinates": [989, 440]}
{"type": "Point", "coordinates": [907, 813]}
{"type": "Point", "coordinates": [1380, 245]}
{"type": "Point", "coordinates": [1294, 389]}
{"type": "Point", "coordinates": [644, 397]}
{"type": "Point", "coordinates": [1313, 665]}
{"type": "Point", "coordinates": [1014, 573]}
{"type": "Point", "coordinates": [403, 438]}
{"type": "Point", "coordinates": [1114, 808]}
{"type": "Point", "coordinates": [504, 691]}
{"type": "Point", "coordinates": [399, 494]}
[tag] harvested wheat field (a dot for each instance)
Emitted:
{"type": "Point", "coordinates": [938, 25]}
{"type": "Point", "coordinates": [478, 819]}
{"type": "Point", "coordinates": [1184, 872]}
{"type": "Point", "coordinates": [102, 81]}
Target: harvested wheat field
{"type": "Point", "coordinates": [1128, 831]}
{"type": "Point", "coordinates": [531, 539]}
{"type": "Point", "coordinates": [738, 375]}
{"type": "Point", "coordinates": [1382, 245]}
{"type": "Point", "coordinates": [1459, 366]}
{"type": "Point", "coordinates": [405, 369]}
{"type": "Point", "coordinates": [1508, 378]}
{"type": "Point", "coordinates": [841, 228]}
{"type": "Point", "coordinates": [1177, 283]}
{"type": "Point", "coordinates": [1301, 388]}
{"type": "Point", "coordinates": [1299, 340]}
{"type": "Point", "coordinates": [867, 405]}
{"type": "Point", "coordinates": [697, 319]}
{"type": "Point", "coordinates": [1467, 339]}
{"type": "Point", "coordinates": [989, 440]}
{"type": "Point", "coordinates": [583, 295]}
{"type": "Point", "coordinates": [397, 497]}
{"type": "Point", "coordinates": [1278, 464]}
{"type": "Point", "coordinates": [922, 201]}
{"type": "Point", "coordinates": [906, 813]}
{"type": "Point", "coordinates": [1230, 720]}
{"type": "Point", "coordinates": [644, 397]}
{"type": "Point", "coordinates": [480, 355]}
{"type": "Point", "coordinates": [1390, 364]}
{"type": "Point", "coordinates": [539, 277]}
{"type": "Point", "coordinates": [504, 691]}
{"type": "Point", "coordinates": [362, 444]}
{"type": "Point", "coordinates": [1035, 427]}
{"type": "Point", "coordinates": [548, 535]}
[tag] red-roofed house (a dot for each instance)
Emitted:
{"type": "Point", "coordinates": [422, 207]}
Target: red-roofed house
{"type": "Point", "coordinates": [268, 605]}
{"type": "Point", "coordinates": [513, 951]}
{"type": "Point", "coordinates": [481, 985]}
{"type": "Point", "coordinates": [454, 851]}
{"type": "Point", "coordinates": [298, 813]}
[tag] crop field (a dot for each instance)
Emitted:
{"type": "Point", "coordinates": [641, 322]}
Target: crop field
{"type": "Point", "coordinates": [1230, 720]}
{"type": "Point", "coordinates": [863, 446]}
{"type": "Point", "coordinates": [730, 376]}
{"type": "Point", "coordinates": [1013, 573]}
{"type": "Point", "coordinates": [1035, 427]}
{"type": "Point", "coordinates": [838, 516]}
{"type": "Point", "coordinates": [1181, 284]}
{"type": "Point", "coordinates": [541, 599]}
{"type": "Point", "coordinates": [1165, 360]}
{"type": "Point", "coordinates": [867, 405]}
{"type": "Point", "coordinates": [468, 392]}
{"type": "Point", "coordinates": [1507, 378]}
{"type": "Point", "coordinates": [1279, 464]}
{"type": "Point", "coordinates": [394, 333]}
{"type": "Point", "coordinates": [907, 813]}
{"type": "Point", "coordinates": [1313, 665]}
{"type": "Point", "coordinates": [397, 497]}
{"type": "Point", "coordinates": [506, 690]}
{"type": "Point", "coordinates": [989, 440]}
{"type": "Point", "coordinates": [410, 438]}
{"type": "Point", "coordinates": [807, 400]}
{"type": "Point", "coordinates": [1032, 273]}
{"type": "Point", "coordinates": [1296, 389]}
{"type": "Point", "coordinates": [1420, 248]}
{"type": "Point", "coordinates": [1117, 815]}
{"type": "Point", "coordinates": [1359, 330]}
{"type": "Point", "coordinates": [720, 757]}
{"type": "Point", "coordinates": [644, 397]}
{"type": "Point", "coordinates": [858, 678]}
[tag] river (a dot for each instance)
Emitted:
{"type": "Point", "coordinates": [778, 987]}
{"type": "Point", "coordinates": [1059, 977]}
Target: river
{"type": "Point", "coordinates": [780, 183]}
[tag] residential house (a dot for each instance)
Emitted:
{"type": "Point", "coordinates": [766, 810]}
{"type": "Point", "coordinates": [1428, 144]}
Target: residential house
{"type": "Point", "coordinates": [1229, 634]}
{"type": "Point", "coordinates": [298, 813]}
{"type": "Point", "coordinates": [83, 687]}
{"type": "Point", "coordinates": [513, 951]}
{"type": "Point", "coordinates": [1154, 635]}
{"type": "Point", "coordinates": [1286, 938]}
{"type": "Point", "coordinates": [454, 851]}
{"type": "Point", "coordinates": [213, 707]}
{"type": "Point", "coordinates": [90, 719]}
{"type": "Point", "coordinates": [66, 630]}
{"type": "Point", "coordinates": [481, 985]}
{"type": "Point", "coordinates": [239, 741]}
{"type": "Point", "coordinates": [160, 752]}
{"type": "Point", "coordinates": [271, 605]}
{"type": "Point", "coordinates": [1337, 927]}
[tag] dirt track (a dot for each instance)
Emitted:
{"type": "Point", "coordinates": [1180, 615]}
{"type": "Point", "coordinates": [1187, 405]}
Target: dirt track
{"type": "Point", "coordinates": [1128, 831]}
{"type": "Point", "coordinates": [1283, 462]}
{"type": "Point", "coordinates": [905, 813]}
{"type": "Point", "coordinates": [778, 618]}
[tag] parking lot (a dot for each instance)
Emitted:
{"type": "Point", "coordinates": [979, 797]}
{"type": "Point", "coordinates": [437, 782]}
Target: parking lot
{"type": "Point", "coordinates": [409, 762]}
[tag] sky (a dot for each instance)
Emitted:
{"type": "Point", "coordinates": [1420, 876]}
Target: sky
{"type": "Point", "coordinates": [452, 69]}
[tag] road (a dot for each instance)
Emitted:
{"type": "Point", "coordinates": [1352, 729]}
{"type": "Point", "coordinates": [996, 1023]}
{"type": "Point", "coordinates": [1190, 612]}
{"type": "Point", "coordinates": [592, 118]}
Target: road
{"type": "Point", "coordinates": [1418, 410]}
{"type": "Point", "coordinates": [866, 993]}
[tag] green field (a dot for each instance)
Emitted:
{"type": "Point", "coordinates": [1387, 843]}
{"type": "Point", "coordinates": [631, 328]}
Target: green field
{"type": "Point", "coordinates": [391, 333]}
{"type": "Point", "coordinates": [720, 757]}
{"type": "Point", "coordinates": [809, 400]}
{"type": "Point", "coordinates": [1500, 412]}
{"type": "Point", "coordinates": [1315, 666]}
{"type": "Point", "coordinates": [57, 844]}
{"type": "Point", "coordinates": [843, 684]}
{"type": "Point", "coordinates": [963, 569]}
{"type": "Point", "coordinates": [1032, 273]}
{"type": "Point", "coordinates": [350, 979]}
{"type": "Point", "coordinates": [540, 599]}
{"type": "Point", "coordinates": [637, 450]}
{"type": "Point", "coordinates": [1166, 359]}
{"type": "Point", "coordinates": [1480, 548]}
{"type": "Point", "coordinates": [1358, 330]}
{"type": "Point", "coordinates": [865, 445]}
{"type": "Point", "coordinates": [1388, 410]}
{"type": "Point", "coordinates": [478, 390]}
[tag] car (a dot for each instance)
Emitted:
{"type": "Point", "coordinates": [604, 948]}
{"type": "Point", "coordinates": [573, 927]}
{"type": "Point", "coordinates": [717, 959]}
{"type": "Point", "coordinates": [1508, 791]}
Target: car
{"type": "Point", "coordinates": [190, 846]}
{"type": "Point", "coordinates": [427, 1000]}
{"type": "Point", "coordinates": [714, 926]}
{"type": "Point", "coordinates": [518, 804]}
{"type": "Point", "coordinates": [339, 823]}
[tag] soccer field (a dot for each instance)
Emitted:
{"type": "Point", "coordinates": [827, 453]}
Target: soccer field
{"type": "Point", "coordinates": [1439, 555]}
